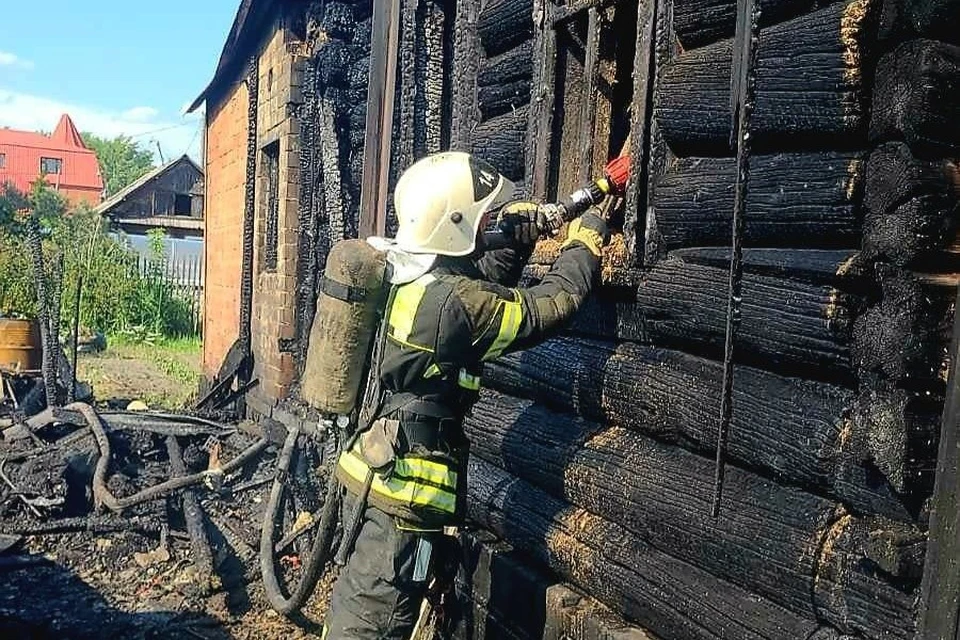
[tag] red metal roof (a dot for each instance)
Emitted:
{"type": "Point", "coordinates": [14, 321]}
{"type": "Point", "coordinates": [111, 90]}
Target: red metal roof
{"type": "Point", "coordinates": [22, 151]}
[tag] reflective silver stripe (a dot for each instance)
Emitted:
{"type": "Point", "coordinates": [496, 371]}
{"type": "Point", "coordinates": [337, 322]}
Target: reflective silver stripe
{"type": "Point", "coordinates": [421, 561]}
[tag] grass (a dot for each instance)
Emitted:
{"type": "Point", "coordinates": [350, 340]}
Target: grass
{"type": "Point", "coordinates": [161, 372]}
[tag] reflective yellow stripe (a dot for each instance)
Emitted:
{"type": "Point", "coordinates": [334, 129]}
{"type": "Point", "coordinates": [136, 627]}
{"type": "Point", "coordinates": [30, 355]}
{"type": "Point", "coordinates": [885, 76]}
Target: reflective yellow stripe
{"type": "Point", "coordinates": [405, 304]}
{"type": "Point", "coordinates": [421, 469]}
{"type": "Point", "coordinates": [405, 491]}
{"type": "Point", "coordinates": [468, 381]}
{"type": "Point", "coordinates": [418, 347]}
{"type": "Point", "coordinates": [509, 326]}
{"type": "Point", "coordinates": [432, 370]}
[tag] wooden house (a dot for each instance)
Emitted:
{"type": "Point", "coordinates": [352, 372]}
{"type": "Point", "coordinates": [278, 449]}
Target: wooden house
{"type": "Point", "coordinates": [169, 197]}
{"type": "Point", "coordinates": [593, 453]}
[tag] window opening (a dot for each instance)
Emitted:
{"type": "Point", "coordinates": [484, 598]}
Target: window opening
{"type": "Point", "coordinates": [50, 166]}
{"type": "Point", "coordinates": [271, 208]}
{"type": "Point", "coordinates": [182, 204]}
{"type": "Point", "coordinates": [3, 160]}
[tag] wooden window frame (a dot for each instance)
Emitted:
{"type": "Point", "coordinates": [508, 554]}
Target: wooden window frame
{"type": "Point", "coordinates": [43, 164]}
{"type": "Point", "coordinates": [542, 152]}
{"type": "Point", "coordinates": [270, 206]}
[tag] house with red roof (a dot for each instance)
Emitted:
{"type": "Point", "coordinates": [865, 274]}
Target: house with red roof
{"type": "Point", "coordinates": [61, 158]}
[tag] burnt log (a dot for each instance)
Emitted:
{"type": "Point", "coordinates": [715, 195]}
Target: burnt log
{"type": "Point", "coordinates": [905, 334]}
{"type": "Point", "coordinates": [918, 85]}
{"type": "Point", "coordinates": [500, 98]}
{"type": "Point", "coordinates": [800, 432]}
{"type": "Point", "coordinates": [838, 267]}
{"type": "Point", "coordinates": [670, 597]}
{"type": "Point", "coordinates": [810, 86]}
{"type": "Point", "coordinates": [504, 24]}
{"type": "Point", "coordinates": [937, 19]}
{"type": "Point", "coordinates": [515, 64]}
{"type": "Point", "coordinates": [700, 22]}
{"type": "Point", "coordinates": [500, 141]}
{"type": "Point", "coordinates": [193, 515]}
{"type": "Point", "coordinates": [464, 114]}
{"type": "Point", "coordinates": [910, 204]}
{"type": "Point", "coordinates": [793, 200]}
{"type": "Point", "coordinates": [784, 322]}
{"type": "Point", "coordinates": [657, 586]}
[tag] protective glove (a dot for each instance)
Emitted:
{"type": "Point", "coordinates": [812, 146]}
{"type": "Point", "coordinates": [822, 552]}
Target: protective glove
{"type": "Point", "coordinates": [590, 230]}
{"type": "Point", "coordinates": [523, 220]}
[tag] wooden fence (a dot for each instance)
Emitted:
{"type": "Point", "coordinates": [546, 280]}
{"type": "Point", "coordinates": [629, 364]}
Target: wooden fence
{"type": "Point", "coordinates": [185, 276]}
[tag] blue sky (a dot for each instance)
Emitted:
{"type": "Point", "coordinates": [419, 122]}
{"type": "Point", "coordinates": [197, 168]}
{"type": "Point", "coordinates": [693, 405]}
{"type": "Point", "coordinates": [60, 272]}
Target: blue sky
{"type": "Point", "coordinates": [115, 67]}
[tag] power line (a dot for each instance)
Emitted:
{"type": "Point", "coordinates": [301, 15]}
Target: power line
{"type": "Point", "coordinates": [167, 128]}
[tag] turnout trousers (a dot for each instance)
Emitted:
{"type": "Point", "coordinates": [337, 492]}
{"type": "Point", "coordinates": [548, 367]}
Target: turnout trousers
{"type": "Point", "coordinates": [380, 590]}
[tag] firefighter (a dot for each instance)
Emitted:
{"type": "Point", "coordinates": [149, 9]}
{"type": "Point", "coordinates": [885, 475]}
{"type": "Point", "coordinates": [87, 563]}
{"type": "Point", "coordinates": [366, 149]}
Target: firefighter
{"type": "Point", "coordinates": [452, 307]}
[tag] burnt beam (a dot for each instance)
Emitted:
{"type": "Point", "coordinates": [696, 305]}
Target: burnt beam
{"type": "Point", "coordinates": [910, 203]}
{"type": "Point", "coordinates": [500, 141]}
{"type": "Point", "coordinates": [867, 451]}
{"type": "Point", "coordinates": [810, 86]}
{"type": "Point", "coordinates": [917, 84]}
{"type": "Point", "coordinates": [793, 200]}
{"type": "Point", "coordinates": [504, 24]}
{"type": "Point", "coordinates": [670, 597]}
{"type": "Point", "coordinates": [768, 539]}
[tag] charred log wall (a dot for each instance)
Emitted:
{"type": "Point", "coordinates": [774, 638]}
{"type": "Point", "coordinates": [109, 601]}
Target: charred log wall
{"type": "Point", "coordinates": [494, 64]}
{"type": "Point", "coordinates": [598, 463]}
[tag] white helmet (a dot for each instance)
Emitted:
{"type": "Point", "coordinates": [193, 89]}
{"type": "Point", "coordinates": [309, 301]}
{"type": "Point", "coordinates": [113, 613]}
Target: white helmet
{"type": "Point", "coordinates": [440, 202]}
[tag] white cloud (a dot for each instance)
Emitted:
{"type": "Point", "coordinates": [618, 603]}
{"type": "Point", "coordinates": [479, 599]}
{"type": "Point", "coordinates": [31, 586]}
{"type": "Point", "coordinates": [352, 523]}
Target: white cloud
{"type": "Point", "coordinates": [8, 59]}
{"type": "Point", "coordinates": [140, 114]}
{"type": "Point", "coordinates": [143, 124]}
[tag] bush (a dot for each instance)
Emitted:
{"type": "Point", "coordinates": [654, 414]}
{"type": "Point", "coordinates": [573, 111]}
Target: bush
{"type": "Point", "coordinates": [116, 297]}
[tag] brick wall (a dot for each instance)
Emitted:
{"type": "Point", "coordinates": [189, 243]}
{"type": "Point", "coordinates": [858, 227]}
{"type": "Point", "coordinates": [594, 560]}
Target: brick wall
{"type": "Point", "coordinates": [274, 287]}
{"type": "Point", "coordinates": [225, 178]}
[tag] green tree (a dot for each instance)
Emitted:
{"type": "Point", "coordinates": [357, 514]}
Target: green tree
{"type": "Point", "coordinates": [122, 160]}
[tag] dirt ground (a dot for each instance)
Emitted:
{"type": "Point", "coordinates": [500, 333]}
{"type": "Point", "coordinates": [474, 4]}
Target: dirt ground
{"type": "Point", "coordinates": [162, 375]}
{"type": "Point", "coordinates": [100, 583]}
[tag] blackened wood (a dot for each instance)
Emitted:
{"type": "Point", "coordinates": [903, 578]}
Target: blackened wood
{"type": "Point", "coordinates": [500, 141]}
{"type": "Point", "coordinates": [838, 267]}
{"type": "Point", "coordinates": [773, 539]}
{"type": "Point", "coordinates": [588, 103]}
{"type": "Point", "coordinates": [512, 65]}
{"type": "Point", "coordinates": [918, 85]}
{"type": "Point", "coordinates": [937, 19]}
{"type": "Point", "coordinates": [940, 590]}
{"type": "Point", "coordinates": [201, 553]}
{"type": "Point", "coordinates": [384, 40]}
{"type": "Point", "coordinates": [847, 573]}
{"type": "Point", "coordinates": [466, 64]}
{"type": "Point", "coordinates": [432, 89]}
{"type": "Point", "coordinates": [665, 49]}
{"type": "Point", "coordinates": [503, 24]}
{"type": "Point", "coordinates": [672, 598]}
{"type": "Point", "coordinates": [785, 322]}
{"type": "Point", "coordinates": [794, 200]}
{"type": "Point", "coordinates": [810, 87]}
{"type": "Point", "coordinates": [542, 103]}
{"type": "Point", "coordinates": [700, 22]}
{"type": "Point", "coordinates": [800, 432]}
{"type": "Point", "coordinates": [644, 78]}
{"type": "Point", "coordinates": [905, 334]}
{"type": "Point", "coordinates": [408, 86]}
{"type": "Point", "coordinates": [496, 99]}
{"type": "Point", "coordinates": [249, 213]}
{"type": "Point", "coordinates": [910, 205]}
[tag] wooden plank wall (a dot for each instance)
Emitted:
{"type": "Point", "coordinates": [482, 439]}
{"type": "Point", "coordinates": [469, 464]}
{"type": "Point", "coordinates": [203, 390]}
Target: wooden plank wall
{"type": "Point", "coordinates": [593, 451]}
